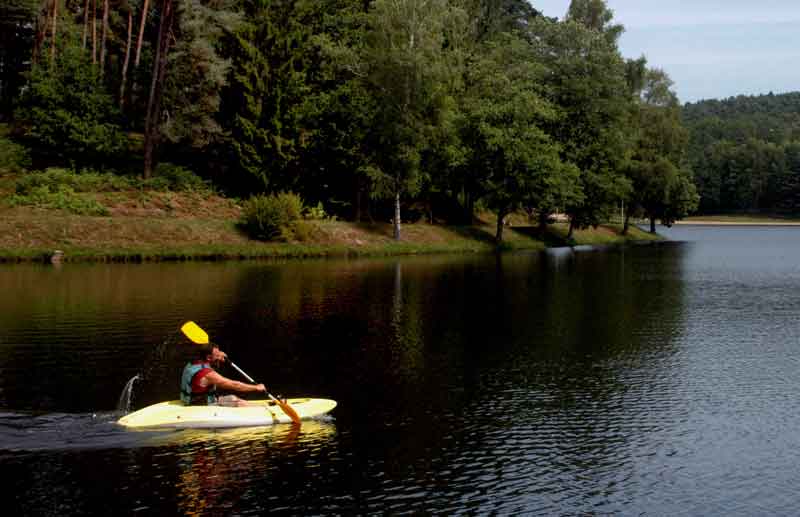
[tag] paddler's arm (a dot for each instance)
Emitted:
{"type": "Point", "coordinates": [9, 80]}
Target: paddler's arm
{"type": "Point", "coordinates": [227, 384]}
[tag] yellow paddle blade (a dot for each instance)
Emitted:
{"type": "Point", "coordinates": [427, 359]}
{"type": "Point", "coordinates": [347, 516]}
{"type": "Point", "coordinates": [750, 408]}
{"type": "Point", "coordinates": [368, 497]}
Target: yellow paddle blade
{"type": "Point", "coordinates": [289, 410]}
{"type": "Point", "coordinates": [195, 333]}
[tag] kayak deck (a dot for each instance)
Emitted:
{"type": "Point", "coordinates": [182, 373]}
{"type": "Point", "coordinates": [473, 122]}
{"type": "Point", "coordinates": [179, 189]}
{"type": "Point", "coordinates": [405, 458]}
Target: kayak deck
{"type": "Point", "coordinates": [176, 415]}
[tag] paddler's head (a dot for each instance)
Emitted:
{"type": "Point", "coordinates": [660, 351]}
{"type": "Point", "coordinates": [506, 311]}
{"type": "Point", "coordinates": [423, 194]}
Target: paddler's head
{"type": "Point", "coordinates": [211, 353]}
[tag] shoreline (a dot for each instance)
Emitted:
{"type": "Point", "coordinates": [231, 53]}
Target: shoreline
{"type": "Point", "coordinates": [703, 222]}
{"type": "Point", "coordinates": [135, 240]}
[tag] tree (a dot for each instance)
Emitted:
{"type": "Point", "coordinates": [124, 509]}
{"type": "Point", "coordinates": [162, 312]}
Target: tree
{"type": "Point", "coordinates": [516, 162]}
{"type": "Point", "coordinates": [587, 83]}
{"type": "Point", "coordinates": [197, 73]}
{"type": "Point", "coordinates": [153, 114]}
{"type": "Point", "coordinates": [662, 183]}
{"type": "Point", "coordinates": [68, 111]}
{"type": "Point", "coordinates": [265, 102]}
{"type": "Point", "coordinates": [404, 65]}
{"type": "Point", "coordinates": [595, 15]}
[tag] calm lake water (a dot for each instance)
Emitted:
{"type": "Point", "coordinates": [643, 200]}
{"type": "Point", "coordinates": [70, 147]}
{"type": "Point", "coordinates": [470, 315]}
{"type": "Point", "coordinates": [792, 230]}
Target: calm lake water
{"type": "Point", "coordinates": [658, 379]}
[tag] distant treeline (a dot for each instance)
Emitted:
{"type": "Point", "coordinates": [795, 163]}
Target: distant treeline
{"type": "Point", "coordinates": [384, 108]}
{"type": "Point", "coordinates": [745, 153]}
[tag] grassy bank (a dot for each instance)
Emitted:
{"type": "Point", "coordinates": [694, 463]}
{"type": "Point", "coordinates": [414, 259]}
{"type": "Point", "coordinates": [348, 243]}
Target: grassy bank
{"type": "Point", "coordinates": [91, 221]}
{"type": "Point", "coordinates": [33, 235]}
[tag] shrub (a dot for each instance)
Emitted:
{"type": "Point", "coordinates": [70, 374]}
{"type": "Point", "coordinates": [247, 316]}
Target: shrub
{"type": "Point", "coordinates": [61, 197]}
{"type": "Point", "coordinates": [55, 178]}
{"type": "Point", "coordinates": [13, 156]}
{"type": "Point", "coordinates": [318, 213]}
{"type": "Point", "coordinates": [272, 217]}
{"type": "Point", "coordinates": [68, 110]}
{"type": "Point", "coordinates": [303, 231]}
{"type": "Point", "coordinates": [179, 178]}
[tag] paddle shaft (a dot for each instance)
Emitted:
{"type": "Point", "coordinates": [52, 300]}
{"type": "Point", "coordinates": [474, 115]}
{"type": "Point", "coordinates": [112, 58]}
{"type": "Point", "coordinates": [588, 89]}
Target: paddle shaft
{"type": "Point", "coordinates": [286, 408]}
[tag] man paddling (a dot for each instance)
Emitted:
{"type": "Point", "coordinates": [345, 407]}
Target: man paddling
{"type": "Point", "coordinates": [199, 381]}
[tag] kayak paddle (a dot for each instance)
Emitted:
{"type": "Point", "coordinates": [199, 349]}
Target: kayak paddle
{"type": "Point", "coordinates": [199, 336]}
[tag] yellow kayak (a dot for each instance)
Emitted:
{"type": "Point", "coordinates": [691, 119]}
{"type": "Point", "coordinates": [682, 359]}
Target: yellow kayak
{"type": "Point", "coordinates": [176, 415]}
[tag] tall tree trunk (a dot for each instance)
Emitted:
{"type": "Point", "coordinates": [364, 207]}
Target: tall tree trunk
{"type": "Point", "coordinates": [151, 124]}
{"type": "Point", "coordinates": [397, 235]}
{"type": "Point", "coordinates": [94, 32]}
{"type": "Point", "coordinates": [125, 63]}
{"type": "Point", "coordinates": [571, 231]}
{"type": "Point", "coordinates": [42, 24]}
{"type": "Point", "coordinates": [498, 235]}
{"type": "Point", "coordinates": [141, 33]}
{"type": "Point", "coordinates": [103, 38]}
{"type": "Point", "coordinates": [85, 24]}
{"type": "Point", "coordinates": [55, 23]}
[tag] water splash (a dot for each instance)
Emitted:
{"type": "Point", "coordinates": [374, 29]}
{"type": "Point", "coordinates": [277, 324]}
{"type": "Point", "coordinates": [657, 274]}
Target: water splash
{"type": "Point", "coordinates": [124, 403]}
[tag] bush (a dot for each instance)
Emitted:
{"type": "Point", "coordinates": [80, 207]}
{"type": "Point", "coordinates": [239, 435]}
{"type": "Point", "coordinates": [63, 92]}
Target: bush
{"type": "Point", "coordinates": [13, 157]}
{"type": "Point", "coordinates": [317, 213]}
{"type": "Point", "coordinates": [179, 179]}
{"type": "Point", "coordinates": [61, 197]}
{"type": "Point", "coordinates": [68, 110]}
{"type": "Point", "coordinates": [55, 179]}
{"type": "Point", "coordinates": [272, 217]}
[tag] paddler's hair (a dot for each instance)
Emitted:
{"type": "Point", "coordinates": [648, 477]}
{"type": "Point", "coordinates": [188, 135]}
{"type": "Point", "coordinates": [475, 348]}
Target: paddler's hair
{"type": "Point", "coordinates": [203, 351]}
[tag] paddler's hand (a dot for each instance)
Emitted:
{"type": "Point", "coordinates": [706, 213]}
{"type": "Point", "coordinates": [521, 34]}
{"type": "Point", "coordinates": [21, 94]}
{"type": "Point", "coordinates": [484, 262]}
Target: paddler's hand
{"type": "Point", "coordinates": [261, 388]}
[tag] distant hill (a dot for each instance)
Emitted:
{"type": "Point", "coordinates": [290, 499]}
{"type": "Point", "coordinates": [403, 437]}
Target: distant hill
{"type": "Point", "coordinates": [745, 153]}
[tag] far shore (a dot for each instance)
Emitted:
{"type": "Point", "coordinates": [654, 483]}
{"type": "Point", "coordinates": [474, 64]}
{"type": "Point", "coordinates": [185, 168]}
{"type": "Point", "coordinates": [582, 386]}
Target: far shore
{"type": "Point", "coordinates": [734, 221]}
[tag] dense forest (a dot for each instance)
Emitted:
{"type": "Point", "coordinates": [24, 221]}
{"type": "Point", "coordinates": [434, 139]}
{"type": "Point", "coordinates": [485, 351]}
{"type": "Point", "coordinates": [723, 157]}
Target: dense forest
{"type": "Point", "coordinates": [390, 109]}
{"type": "Point", "coordinates": [745, 153]}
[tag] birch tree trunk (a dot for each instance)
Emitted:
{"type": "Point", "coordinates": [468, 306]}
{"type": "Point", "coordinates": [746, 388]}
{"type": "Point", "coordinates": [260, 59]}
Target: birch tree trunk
{"type": "Point", "coordinates": [397, 211]}
{"type": "Point", "coordinates": [125, 63]}
{"type": "Point", "coordinates": [626, 224]}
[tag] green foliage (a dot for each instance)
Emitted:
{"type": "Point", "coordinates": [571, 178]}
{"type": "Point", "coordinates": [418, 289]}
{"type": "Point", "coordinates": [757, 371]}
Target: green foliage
{"type": "Point", "coordinates": [743, 153]}
{"type": "Point", "coordinates": [588, 83]}
{"type": "Point", "coordinates": [352, 102]}
{"type": "Point", "coordinates": [68, 111]}
{"type": "Point", "coordinates": [272, 217]}
{"type": "Point", "coordinates": [173, 177]}
{"type": "Point", "coordinates": [511, 157]}
{"type": "Point", "coordinates": [62, 189]}
{"type": "Point", "coordinates": [303, 231]}
{"type": "Point", "coordinates": [317, 213]}
{"type": "Point", "coordinates": [662, 185]}
{"type": "Point", "coordinates": [405, 64]}
{"type": "Point", "coordinates": [198, 73]}
{"type": "Point", "coordinates": [272, 60]}
{"type": "Point", "coordinates": [13, 156]}
{"type": "Point", "coordinates": [55, 179]}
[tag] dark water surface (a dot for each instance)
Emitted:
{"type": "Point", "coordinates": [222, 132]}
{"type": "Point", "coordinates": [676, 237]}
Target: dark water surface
{"type": "Point", "coordinates": [659, 380]}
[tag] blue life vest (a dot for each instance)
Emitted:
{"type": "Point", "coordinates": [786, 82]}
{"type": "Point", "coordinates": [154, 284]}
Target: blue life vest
{"type": "Point", "coordinates": [194, 397]}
